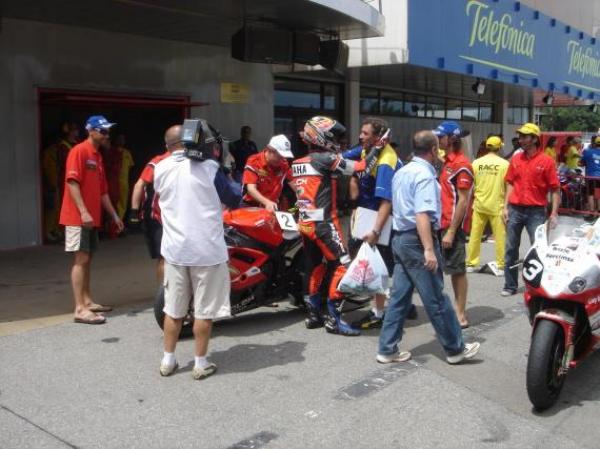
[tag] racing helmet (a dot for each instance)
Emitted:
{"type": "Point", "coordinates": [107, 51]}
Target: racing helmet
{"type": "Point", "coordinates": [323, 132]}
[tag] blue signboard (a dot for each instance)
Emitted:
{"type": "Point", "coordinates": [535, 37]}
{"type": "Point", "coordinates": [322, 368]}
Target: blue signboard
{"type": "Point", "coordinates": [505, 41]}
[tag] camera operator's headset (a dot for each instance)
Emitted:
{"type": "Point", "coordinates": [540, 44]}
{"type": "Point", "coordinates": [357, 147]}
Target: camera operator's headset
{"type": "Point", "coordinates": [201, 140]}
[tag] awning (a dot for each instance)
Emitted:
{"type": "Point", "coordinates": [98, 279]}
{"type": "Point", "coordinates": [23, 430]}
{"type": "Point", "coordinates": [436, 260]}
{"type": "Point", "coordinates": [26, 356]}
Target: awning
{"type": "Point", "coordinates": [117, 100]}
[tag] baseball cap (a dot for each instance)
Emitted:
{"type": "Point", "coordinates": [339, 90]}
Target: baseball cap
{"type": "Point", "coordinates": [98, 123]}
{"type": "Point", "coordinates": [450, 128]}
{"type": "Point", "coordinates": [282, 145]}
{"type": "Point", "coordinates": [494, 142]}
{"type": "Point", "coordinates": [529, 128]}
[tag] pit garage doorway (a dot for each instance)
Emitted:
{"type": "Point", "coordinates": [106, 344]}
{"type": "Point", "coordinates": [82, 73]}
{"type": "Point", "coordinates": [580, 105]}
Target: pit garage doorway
{"type": "Point", "coordinates": [142, 119]}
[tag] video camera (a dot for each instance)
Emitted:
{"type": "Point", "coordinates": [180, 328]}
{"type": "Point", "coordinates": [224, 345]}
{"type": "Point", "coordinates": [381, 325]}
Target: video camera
{"type": "Point", "coordinates": [201, 140]}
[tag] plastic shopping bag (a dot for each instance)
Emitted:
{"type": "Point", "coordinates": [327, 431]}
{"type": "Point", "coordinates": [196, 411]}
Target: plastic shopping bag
{"type": "Point", "coordinates": [367, 274]}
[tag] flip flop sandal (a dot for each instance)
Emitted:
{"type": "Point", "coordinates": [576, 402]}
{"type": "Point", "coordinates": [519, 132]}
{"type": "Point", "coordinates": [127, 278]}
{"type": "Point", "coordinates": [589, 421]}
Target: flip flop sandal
{"type": "Point", "coordinates": [96, 320]}
{"type": "Point", "coordinates": [101, 308]}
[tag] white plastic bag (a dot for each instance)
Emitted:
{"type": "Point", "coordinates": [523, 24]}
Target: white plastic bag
{"type": "Point", "coordinates": [367, 274]}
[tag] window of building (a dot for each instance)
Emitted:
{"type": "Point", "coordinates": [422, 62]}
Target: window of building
{"type": "Point", "coordinates": [436, 108]}
{"type": "Point", "coordinates": [470, 110]}
{"type": "Point", "coordinates": [453, 109]}
{"type": "Point", "coordinates": [517, 114]}
{"type": "Point", "coordinates": [392, 103]}
{"type": "Point", "coordinates": [369, 101]}
{"type": "Point", "coordinates": [297, 94]}
{"type": "Point", "coordinates": [414, 105]}
{"type": "Point", "coordinates": [485, 112]}
{"type": "Point", "coordinates": [331, 96]}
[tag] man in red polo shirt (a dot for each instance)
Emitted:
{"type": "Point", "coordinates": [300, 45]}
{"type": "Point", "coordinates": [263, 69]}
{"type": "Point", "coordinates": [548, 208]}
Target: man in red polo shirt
{"type": "Point", "coordinates": [266, 172]}
{"type": "Point", "coordinates": [143, 195]}
{"type": "Point", "coordinates": [531, 175]}
{"type": "Point", "coordinates": [86, 193]}
{"type": "Point", "coordinates": [456, 180]}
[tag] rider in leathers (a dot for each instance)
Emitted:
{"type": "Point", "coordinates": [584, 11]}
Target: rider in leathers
{"type": "Point", "coordinates": [315, 181]}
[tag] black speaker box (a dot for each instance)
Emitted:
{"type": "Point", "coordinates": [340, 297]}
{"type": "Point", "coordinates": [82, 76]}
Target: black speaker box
{"type": "Point", "coordinates": [333, 55]}
{"type": "Point", "coordinates": [262, 45]}
{"type": "Point", "coordinates": [306, 48]}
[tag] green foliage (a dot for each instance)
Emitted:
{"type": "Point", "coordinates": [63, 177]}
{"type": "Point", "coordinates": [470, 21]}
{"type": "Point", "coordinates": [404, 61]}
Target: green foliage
{"type": "Point", "coordinates": [574, 118]}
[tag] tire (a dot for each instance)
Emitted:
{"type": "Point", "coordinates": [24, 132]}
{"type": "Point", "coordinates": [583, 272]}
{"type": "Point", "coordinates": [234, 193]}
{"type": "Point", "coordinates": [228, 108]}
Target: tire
{"type": "Point", "coordinates": [296, 287]}
{"type": "Point", "coordinates": [545, 359]}
{"type": "Point", "coordinates": [159, 315]}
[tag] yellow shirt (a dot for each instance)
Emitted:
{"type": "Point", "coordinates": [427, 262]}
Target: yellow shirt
{"type": "Point", "coordinates": [489, 188]}
{"type": "Point", "coordinates": [551, 153]}
{"type": "Point", "coordinates": [572, 157]}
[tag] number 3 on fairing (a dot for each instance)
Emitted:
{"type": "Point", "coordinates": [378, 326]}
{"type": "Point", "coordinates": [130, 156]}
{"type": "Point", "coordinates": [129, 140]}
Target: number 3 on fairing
{"type": "Point", "coordinates": [532, 270]}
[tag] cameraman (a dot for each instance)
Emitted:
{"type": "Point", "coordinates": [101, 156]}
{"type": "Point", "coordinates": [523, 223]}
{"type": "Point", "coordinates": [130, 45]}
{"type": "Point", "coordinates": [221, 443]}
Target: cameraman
{"type": "Point", "coordinates": [191, 188]}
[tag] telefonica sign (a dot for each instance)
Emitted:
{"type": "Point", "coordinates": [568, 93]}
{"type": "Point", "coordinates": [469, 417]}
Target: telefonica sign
{"type": "Point", "coordinates": [503, 40]}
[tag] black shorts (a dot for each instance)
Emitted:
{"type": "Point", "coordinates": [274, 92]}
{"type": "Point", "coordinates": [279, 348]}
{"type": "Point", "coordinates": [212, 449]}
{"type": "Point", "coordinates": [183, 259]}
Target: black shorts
{"type": "Point", "coordinates": [384, 250]}
{"type": "Point", "coordinates": [593, 187]}
{"type": "Point", "coordinates": [153, 236]}
{"type": "Point", "coordinates": [455, 256]}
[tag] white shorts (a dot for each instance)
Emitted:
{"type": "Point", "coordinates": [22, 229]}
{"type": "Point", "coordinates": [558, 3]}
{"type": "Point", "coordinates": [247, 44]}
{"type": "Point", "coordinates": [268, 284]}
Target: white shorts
{"type": "Point", "coordinates": [209, 288]}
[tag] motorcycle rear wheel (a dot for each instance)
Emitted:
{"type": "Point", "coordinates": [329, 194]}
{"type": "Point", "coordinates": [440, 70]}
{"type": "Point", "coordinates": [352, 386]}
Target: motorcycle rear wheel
{"type": "Point", "coordinates": [544, 380]}
{"type": "Point", "coordinates": [159, 315]}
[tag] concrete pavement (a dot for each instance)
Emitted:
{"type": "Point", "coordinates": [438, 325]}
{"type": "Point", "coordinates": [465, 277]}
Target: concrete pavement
{"type": "Point", "coordinates": [280, 385]}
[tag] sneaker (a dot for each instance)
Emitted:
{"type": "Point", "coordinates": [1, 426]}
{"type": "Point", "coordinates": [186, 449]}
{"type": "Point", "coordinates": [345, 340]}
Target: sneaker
{"type": "Point", "coordinates": [471, 269]}
{"type": "Point", "coordinates": [368, 321]}
{"type": "Point", "coordinates": [199, 373]}
{"type": "Point", "coordinates": [166, 370]}
{"type": "Point", "coordinates": [507, 293]}
{"type": "Point", "coordinates": [395, 358]}
{"type": "Point", "coordinates": [412, 313]}
{"type": "Point", "coordinates": [468, 352]}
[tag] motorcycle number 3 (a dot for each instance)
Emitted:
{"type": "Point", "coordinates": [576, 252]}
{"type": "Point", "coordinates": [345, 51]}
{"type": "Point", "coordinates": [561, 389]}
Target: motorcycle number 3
{"type": "Point", "coordinates": [286, 221]}
{"type": "Point", "coordinates": [532, 269]}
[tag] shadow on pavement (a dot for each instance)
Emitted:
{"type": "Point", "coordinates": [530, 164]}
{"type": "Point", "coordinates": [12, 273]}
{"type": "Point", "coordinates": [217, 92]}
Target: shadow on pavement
{"type": "Point", "coordinates": [259, 321]}
{"type": "Point", "coordinates": [252, 357]}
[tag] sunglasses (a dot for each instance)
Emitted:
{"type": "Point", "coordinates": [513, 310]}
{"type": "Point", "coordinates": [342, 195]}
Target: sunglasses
{"type": "Point", "coordinates": [102, 131]}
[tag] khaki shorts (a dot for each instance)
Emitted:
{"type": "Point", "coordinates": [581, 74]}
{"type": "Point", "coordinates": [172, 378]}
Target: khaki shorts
{"type": "Point", "coordinates": [80, 239]}
{"type": "Point", "coordinates": [208, 286]}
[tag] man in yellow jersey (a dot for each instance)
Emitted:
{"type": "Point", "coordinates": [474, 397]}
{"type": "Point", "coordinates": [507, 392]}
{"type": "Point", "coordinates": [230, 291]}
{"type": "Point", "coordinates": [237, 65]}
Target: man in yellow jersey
{"type": "Point", "coordinates": [572, 156]}
{"type": "Point", "coordinates": [489, 192]}
{"type": "Point", "coordinates": [125, 167]}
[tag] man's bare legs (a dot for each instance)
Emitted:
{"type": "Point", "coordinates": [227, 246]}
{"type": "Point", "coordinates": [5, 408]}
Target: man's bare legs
{"type": "Point", "coordinates": [172, 328]}
{"type": "Point", "coordinates": [202, 330]}
{"type": "Point", "coordinates": [160, 270]}
{"type": "Point", "coordinates": [80, 282]}
{"type": "Point", "coordinates": [459, 285]}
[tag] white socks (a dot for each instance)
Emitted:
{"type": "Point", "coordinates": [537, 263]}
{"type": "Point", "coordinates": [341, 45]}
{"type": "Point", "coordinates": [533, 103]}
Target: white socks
{"type": "Point", "coordinates": [168, 359]}
{"type": "Point", "coordinates": [201, 362]}
{"type": "Point", "coordinates": [378, 312]}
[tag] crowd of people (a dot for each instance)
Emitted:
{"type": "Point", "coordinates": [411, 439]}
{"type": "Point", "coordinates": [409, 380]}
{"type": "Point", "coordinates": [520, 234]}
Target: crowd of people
{"type": "Point", "coordinates": [438, 201]}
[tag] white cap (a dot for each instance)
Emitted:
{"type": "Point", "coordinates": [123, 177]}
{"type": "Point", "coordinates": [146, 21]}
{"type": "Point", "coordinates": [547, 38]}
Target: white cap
{"type": "Point", "coordinates": [282, 145]}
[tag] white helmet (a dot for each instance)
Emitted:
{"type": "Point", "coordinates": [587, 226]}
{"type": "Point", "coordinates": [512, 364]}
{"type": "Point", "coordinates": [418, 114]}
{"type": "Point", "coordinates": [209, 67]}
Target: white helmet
{"type": "Point", "coordinates": [282, 145]}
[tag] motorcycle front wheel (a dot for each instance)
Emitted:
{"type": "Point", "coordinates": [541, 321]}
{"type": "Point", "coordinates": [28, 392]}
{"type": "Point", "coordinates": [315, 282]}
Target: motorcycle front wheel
{"type": "Point", "coordinates": [544, 374]}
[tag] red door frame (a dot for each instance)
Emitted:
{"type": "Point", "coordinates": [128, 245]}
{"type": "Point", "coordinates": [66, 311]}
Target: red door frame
{"type": "Point", "coordinates": [90, 97]}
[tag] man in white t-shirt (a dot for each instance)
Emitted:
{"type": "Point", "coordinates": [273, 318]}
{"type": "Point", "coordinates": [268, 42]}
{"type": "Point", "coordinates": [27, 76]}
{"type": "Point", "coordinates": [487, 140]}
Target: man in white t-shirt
{"type": "Point", "coordinates": [193, 247]}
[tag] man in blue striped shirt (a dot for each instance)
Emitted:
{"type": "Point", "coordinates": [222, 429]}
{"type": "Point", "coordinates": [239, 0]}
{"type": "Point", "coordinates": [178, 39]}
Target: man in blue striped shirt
{"type": "Point", "coordinates": [416, 206]}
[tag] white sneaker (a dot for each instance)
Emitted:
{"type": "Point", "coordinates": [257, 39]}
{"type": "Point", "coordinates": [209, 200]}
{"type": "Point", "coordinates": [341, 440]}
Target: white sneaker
{"type": "Point", "coordinates": [471, 269]}
{"type": "Point", "coordinates": [468, 352]}
{"type": "Point", "coordinates": [507, 293]}
{"type": "Point", "coordinates": [166, 370]}
{"type": "Point", "coordinates": [198, 373]}
{"type": "Point", "coordinates": [395, 358]}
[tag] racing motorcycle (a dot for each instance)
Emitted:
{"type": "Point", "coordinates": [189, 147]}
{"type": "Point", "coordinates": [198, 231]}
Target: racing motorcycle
{"type": "Point", "coordinates": [265, 262]}
{"type": "Point", "coordinates": [562, 279]}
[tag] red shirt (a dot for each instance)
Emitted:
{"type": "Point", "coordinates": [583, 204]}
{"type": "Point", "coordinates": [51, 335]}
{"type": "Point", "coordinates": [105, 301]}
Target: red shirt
{"type": "Point", "coordinates": [268, 179]}
{"type": "Point", "coordinates": [457, 173]}
{"type": "Point", "coordinates": [531, 179]}
{"type": "Point", "coordinates": [150, 200]}
{"type": "Point", "coordinates": [84, 165]}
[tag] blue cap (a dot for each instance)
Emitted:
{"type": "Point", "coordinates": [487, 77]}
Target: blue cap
{"type": "Point", "coordinates": [98, 123]}
{"type": "Point", "coordinates": [450, 128]}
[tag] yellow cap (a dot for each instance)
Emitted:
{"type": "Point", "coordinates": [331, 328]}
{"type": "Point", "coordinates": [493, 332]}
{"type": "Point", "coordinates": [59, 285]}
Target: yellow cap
{"type": "Point", "coordinates": [597, 140]}
{"type": "Point", "coordinates": [530, 128]}
{"type": "Point", "coordinates": [494, 142]}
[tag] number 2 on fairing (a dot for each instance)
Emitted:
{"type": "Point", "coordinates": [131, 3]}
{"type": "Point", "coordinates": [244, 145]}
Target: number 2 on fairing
{"type": "Point", "coordinates": [286, 221]}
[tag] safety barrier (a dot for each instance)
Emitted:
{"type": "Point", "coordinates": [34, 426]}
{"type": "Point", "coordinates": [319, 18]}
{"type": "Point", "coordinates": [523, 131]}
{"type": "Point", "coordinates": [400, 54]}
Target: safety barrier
{"type": "Point", "coordinates": [575, 190]}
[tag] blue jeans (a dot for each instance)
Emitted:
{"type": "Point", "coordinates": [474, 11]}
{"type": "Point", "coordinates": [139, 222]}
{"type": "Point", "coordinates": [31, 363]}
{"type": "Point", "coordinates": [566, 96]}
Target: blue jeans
{"type": "Point", "coordinates": [519, 217]}
{"type": "Point", "coordinates": [410, 273]}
